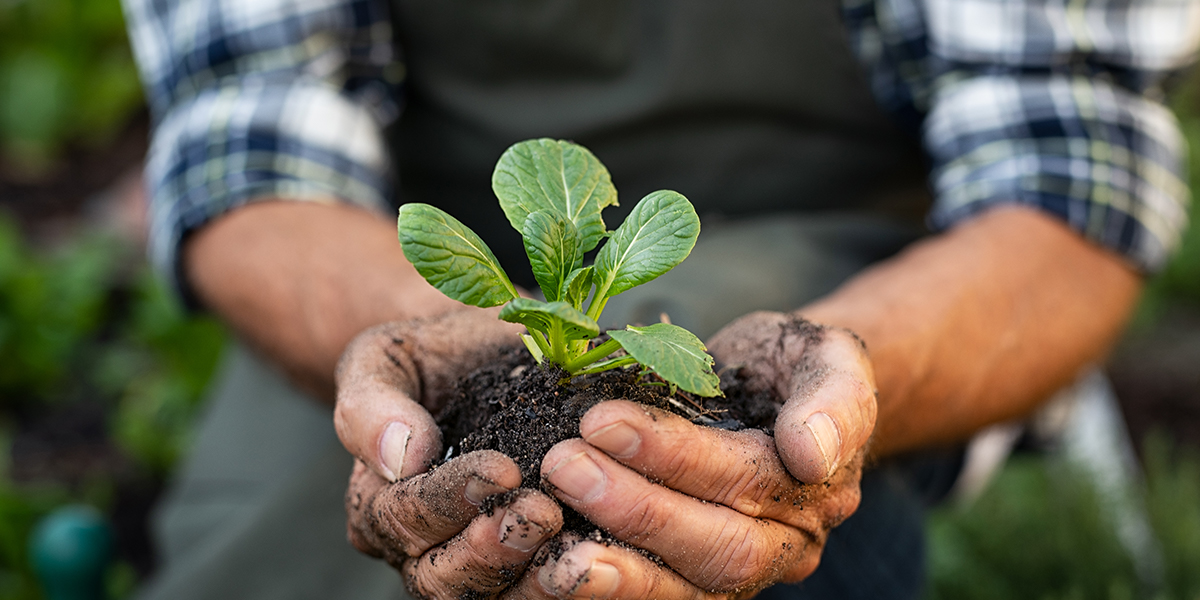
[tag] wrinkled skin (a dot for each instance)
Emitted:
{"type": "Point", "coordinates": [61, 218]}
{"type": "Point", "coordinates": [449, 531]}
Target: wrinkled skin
{"type": "Point", "coordinates": [729, 513]}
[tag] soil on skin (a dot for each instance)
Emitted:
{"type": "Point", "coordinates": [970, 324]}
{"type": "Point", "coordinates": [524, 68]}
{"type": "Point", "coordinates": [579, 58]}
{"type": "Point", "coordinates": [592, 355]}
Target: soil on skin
{"type": "Point", "coordinates": [518, 408]}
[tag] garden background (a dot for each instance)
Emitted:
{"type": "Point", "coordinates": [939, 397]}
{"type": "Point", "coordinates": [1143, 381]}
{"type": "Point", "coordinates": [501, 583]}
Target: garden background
{"type": "Point", "coordinates": [101, 375]}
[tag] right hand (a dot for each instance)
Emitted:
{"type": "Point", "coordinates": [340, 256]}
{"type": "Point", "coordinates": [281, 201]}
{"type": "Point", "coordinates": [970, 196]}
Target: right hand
{"type": "Point", "coordinates": [425, 523]}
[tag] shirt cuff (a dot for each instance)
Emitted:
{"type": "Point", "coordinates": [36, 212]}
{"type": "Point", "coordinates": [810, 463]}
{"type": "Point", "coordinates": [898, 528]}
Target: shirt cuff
{"type": "Point", "coordinates": [255, 139]}
{"type": "Point", "coordinates": [1108, 162]}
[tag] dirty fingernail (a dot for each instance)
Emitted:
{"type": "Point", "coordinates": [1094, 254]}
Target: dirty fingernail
{"type": "Point", "coordinates": [825, 433]}
{"type": "Point", "coordinates": [478, 489]}
{"type": "Point", "coordinates": [579, 477]}
{"type": "Point", "coordinates": [601, 581]}
{"type": "Point", "coordinates": [392, 448]}
{"type": "Point", "coordinates": [545, 577]}
{"type": "Point", "coordinates": [618, 439]}
{"type": "Point", "coordinates": [518, 532]}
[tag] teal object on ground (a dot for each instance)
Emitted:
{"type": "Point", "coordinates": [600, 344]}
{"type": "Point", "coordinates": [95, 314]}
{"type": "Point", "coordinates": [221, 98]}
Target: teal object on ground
{"type": "Point", "coordinates": [70, 550]}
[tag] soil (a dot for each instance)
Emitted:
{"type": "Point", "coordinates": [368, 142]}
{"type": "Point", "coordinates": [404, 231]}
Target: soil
{"type": "Point", "coordinates": [518, 408]}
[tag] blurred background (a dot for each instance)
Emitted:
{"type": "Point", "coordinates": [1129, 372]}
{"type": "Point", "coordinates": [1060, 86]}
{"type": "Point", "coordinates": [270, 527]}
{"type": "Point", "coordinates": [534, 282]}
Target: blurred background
{"type": "Point", "coordinates": [101, 375]}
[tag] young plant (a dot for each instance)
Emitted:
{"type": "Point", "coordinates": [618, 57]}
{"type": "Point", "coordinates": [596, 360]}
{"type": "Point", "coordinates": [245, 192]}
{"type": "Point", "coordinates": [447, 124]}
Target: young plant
{"type": "Point", "coordinates": [553, 192]}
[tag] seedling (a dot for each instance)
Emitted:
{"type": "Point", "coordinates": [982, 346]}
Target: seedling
{"type": "Point", "coordinates": [552, 193]}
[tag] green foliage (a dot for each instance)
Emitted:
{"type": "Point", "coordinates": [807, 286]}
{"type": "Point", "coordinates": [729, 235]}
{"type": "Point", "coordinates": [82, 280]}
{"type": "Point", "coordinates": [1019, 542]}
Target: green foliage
{"type": "Point", "coordinates": [87, 322]}
{"type": "Point", "coordinates": [49, 306]}
{"type": "Point", "coordinates": [1039, 532]}
{"type": "Point", "coordinates": [670, 352]}
{"type": "Point", "coordinates": [659, 234]}
{"type": "Point", "coordinates": [553, 193]}
{"type": "Point", "coordinates": [158, 372]}
{"type": "Point", "coordinates": [79, 322]}
{"type": "Point", "coordinates": [1173, 501]}
{"type": "Point", "coordinates": [451, 257]}
{"type": "Point", "coordinates": [557, 177]}
{"type": "Point", "coordinates": [66, 74]}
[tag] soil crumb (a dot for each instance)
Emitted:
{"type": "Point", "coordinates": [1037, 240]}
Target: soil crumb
{"type": "Point", "coordinates": [520, 409]}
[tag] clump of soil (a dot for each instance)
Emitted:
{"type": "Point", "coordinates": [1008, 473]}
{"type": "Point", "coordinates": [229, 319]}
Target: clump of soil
{"type": "Point", "coordinates": [519, 409]}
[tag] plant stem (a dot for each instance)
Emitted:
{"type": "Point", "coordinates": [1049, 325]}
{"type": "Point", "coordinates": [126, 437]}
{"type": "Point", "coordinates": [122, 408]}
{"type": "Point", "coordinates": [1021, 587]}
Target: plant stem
{"type": "Point", "coordinates": [608, 365]}
{"type": "Point", "coordinates": [599, 299]}
{"type": "Point", "coordinates": [534, 349]}
{"type": "Point", "coordinates": [592, 356]}
{"type": "Point", "coordinates": [557, 345]}
{"type": "Point", "coordinates": [540, 340]}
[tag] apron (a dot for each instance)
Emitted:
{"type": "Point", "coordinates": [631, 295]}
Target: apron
{"type": "Point", "coordinates": [747, 107]}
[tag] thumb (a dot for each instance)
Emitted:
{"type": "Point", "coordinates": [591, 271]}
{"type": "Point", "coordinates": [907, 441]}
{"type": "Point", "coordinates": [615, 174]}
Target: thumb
{"type": "Point", "coordinates": [376, 416]}
{"type": "Point", "coordinates": [830, 412]}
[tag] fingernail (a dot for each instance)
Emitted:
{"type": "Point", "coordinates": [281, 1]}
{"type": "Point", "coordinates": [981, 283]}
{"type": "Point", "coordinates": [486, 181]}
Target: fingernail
{"type": "Point", "coordinates": [545, 576]}
{"type": "Point", "coordinates": [579, 477]}
{"type": "Point", "coordinates": [518, 532]}
{"type": "Point", "coordinates": [618, 439]}
{"type": "Point", "coordinates": [825, 432]}
{"type": "Point", "coordinates": [601, 581]}
{"type": "Point", "coordinates": [478, 489]}
{"type": "Point", "coordinates": [392, 448]}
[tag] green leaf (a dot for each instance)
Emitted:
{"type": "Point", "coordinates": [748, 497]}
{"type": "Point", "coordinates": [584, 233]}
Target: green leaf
{"type": "Point", "coordinates": [552, 244]}
{"type": "Point", "coordinates": [576, 287]}
{"type": "Point", "coordinates": [554, 175]}
{"type": "Point", "coordinates": [674, 353]}
{"type": "Point", "coordinates": [451, 257]}
{"type": "Point", "coordinates": [659, 234]}
{"type": "Point", "coordinates": [540, 316]}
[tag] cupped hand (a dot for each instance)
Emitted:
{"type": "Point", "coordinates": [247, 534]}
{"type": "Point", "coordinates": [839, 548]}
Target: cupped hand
{"type": "Point", "coordinates": [729, 513]}
{"type": "Point", "coordinates": [428, 524]}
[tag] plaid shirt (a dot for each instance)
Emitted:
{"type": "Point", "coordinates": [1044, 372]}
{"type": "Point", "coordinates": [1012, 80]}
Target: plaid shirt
{"type": "Point", "coordinates": [1048, 103]}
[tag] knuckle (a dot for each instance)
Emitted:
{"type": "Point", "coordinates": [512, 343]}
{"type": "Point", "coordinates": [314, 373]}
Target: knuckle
{"type": "Point", "coordinates": [389, 521]}
{"type": "Point", "coordinates": [844, 505]}
{"type": "Point", "coordinates": [645, 519]}
{"type": "Point", "coordinates": [737, 560]}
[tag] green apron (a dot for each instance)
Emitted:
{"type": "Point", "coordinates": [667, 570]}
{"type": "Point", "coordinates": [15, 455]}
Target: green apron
{"type": "Point", "coordinates": [747, 107]}
{"type": "Point", "coordinates": [754, 109]}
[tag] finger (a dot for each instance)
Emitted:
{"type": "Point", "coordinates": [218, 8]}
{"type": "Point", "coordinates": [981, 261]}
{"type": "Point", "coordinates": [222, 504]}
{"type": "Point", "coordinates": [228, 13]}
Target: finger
{"type": "Point", "coordinates": [740, 470]}
{"type": "Point", "coordinates": [592, 570]}
{"type": "Point", "coordinates": [490, 554]}
{"type": "Point", "coordinates": [710, 545]}
{"type": "Point", "coordinates": [409, 517]}
{"type": "Point", "coordinates": [391, 375]}
{"type": "Point", "coordinates": [831, 411]}
{"type": "Point", "coordinates": [376, 416]}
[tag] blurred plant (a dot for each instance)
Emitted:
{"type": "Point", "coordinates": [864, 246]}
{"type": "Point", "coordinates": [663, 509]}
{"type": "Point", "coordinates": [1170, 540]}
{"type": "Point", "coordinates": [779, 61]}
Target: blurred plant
{"type": "Point", "coordinates": [49, 305]}
{"type": "Point", "coordinates": [1173, 501]}
{"type": "Point", "coordinates": [88, 323]}
{"type": "Point", "coordinates": [158, 371]}
{"type": "Point", "coordinates": [1038, 532]}
{"type": "Point", "coordinates": [66, 75]}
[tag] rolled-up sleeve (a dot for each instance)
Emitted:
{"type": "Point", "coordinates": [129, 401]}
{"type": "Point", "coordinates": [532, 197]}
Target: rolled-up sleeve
{"type": "Point", "coordinates": [257, 99]}
{"type": "Point", "coordinates": [1058, 105]}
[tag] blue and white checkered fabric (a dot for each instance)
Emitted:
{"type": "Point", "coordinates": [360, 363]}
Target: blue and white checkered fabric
{"type": "Point", "coordinates": [1051, 103]}
{"type": "Point", "coordinates": [1055, 104]}
{"type": "Point", "coordinates": [257, 99]}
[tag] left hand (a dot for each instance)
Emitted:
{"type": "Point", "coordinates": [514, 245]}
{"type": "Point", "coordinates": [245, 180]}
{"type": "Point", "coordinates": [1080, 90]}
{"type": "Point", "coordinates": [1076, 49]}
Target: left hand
{"type": "Point", "coordinates": [729, 512]}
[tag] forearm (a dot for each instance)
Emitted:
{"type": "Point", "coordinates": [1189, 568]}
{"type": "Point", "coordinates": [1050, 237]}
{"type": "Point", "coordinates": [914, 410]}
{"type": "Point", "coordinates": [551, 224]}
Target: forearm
{"type": "Point", "coordinates": [299, 280]}
{"type": "Point", "coordinates": [980, 324]}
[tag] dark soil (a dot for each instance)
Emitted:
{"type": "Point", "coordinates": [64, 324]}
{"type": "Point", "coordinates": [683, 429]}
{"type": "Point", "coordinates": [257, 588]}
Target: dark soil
{"type": "Point", "coordinates": [520, 409]}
